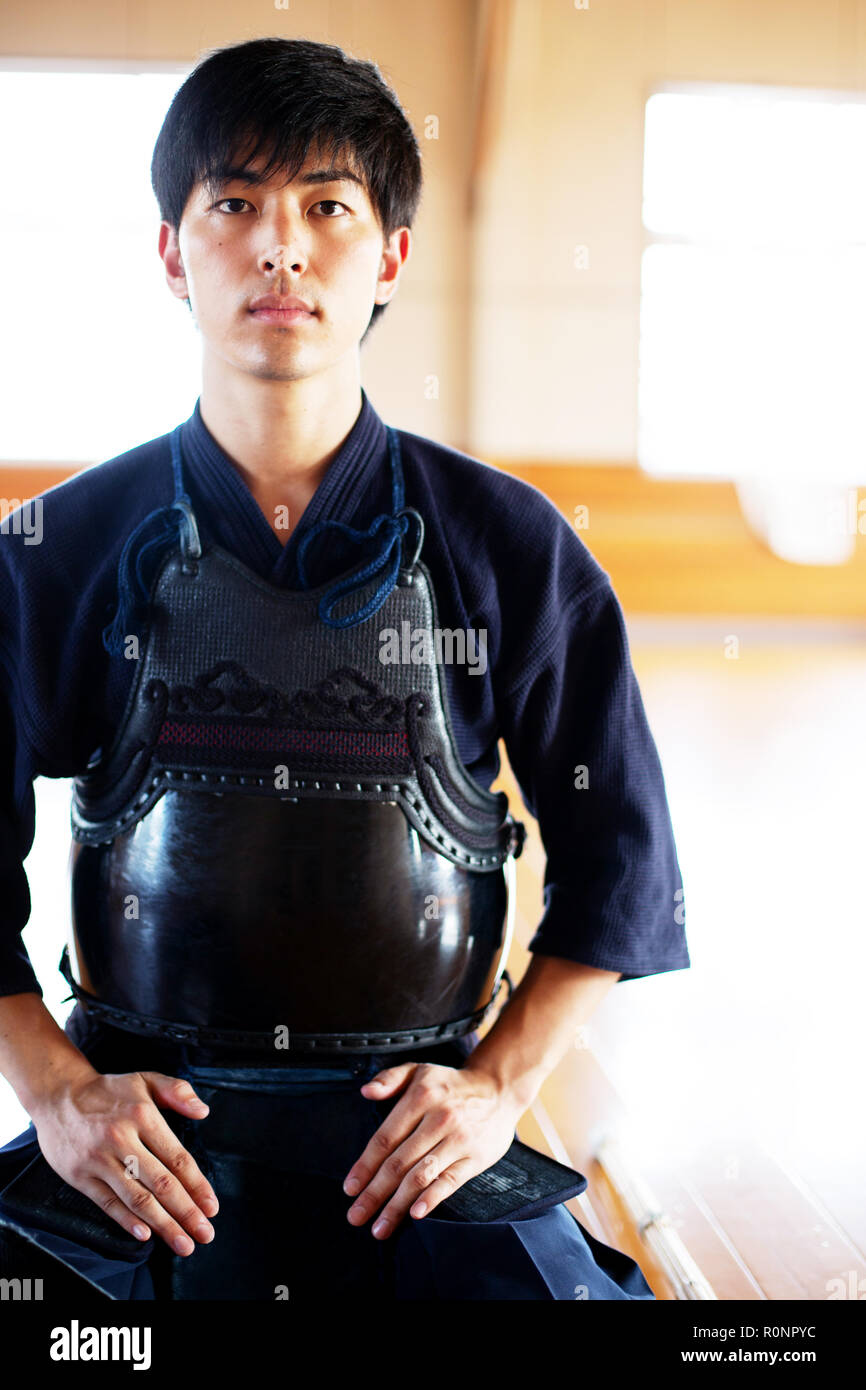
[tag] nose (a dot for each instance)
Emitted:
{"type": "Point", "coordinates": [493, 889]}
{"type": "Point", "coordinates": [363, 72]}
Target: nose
{"type": "Point", "coordinates": [283, 244]}
{"type": "Point", "coordinates": [282, 257]}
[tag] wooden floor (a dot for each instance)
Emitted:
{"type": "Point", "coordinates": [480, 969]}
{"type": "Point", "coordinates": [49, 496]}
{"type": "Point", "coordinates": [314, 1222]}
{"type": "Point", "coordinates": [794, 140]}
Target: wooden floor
{"type": "Point", "coordinates": [736, 1087]}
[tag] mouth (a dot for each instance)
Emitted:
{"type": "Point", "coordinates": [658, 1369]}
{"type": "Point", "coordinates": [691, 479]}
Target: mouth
{"type": "Point", "coordinates": [281, 308]}
{"type": "Point", "coordinates": [281, 315]}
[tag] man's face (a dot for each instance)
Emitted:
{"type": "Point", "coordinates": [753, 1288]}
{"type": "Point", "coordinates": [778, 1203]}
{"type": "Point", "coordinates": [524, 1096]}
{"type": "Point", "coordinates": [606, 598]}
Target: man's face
{"type": "Point", "coordinates": [316, 238]}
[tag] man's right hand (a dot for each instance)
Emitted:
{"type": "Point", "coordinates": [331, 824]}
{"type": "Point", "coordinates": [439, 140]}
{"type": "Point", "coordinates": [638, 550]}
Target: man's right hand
{"type": "Point", "coordinates": [106, 1137]}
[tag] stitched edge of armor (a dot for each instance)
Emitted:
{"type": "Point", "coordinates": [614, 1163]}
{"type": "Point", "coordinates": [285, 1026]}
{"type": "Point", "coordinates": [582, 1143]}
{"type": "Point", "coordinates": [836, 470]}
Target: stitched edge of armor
{"type": "Point", "coordinates": [161, 782]}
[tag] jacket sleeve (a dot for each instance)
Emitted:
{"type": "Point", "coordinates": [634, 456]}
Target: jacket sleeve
{"type": "Point", "coordinates": [17, 828]}
{"type": "Point", "coordinates": [581, 749]}
{"type": "Point", "coordinates": [19, 763]}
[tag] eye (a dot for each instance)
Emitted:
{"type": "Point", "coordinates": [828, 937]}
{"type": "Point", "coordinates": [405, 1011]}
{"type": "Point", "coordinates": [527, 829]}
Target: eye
{"type": "Point", "coordinates": [323, 203]}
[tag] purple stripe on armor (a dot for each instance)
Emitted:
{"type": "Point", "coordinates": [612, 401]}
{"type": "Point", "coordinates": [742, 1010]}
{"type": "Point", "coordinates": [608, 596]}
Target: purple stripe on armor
{"type": "Point", "coordinates": [176, 735]}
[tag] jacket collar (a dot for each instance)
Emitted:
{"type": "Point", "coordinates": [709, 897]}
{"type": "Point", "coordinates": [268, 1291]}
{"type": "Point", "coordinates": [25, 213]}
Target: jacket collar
{"type": "Point", "coordinates": [229, 515]}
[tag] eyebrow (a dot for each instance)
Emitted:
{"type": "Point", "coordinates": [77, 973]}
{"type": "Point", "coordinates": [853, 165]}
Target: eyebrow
{"type": "Point", "coordinates": [243, 174]}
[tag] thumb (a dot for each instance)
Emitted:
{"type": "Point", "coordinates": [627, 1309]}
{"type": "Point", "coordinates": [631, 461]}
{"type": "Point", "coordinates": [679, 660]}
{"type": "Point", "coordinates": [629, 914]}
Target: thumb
{"type": "Point", "coordinates": [175, 1092]}
{"type": "Point", "coordinates": [386, 1082]}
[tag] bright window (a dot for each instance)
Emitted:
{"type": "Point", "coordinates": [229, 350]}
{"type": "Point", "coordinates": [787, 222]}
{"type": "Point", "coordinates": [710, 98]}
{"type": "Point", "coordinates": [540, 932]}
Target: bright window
{"type": "Point", "coordinates": [753, 302]}
{"type": "Point", "coordinates": [96, 355]}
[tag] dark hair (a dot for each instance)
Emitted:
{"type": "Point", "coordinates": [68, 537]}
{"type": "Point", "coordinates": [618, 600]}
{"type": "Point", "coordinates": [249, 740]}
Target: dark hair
{"type": "Point", "coordinates": [280, 98]}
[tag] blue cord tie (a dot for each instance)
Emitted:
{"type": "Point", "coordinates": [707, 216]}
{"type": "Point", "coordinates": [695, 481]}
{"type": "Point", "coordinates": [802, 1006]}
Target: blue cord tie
{"type": "Point", "coordinates": [132, 589]}
{"type": "Point", "coordinates": [393, 528]}
{"type": "Point", "coordinates": [179, 519]}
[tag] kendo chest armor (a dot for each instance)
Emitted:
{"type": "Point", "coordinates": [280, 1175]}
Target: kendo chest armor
{"type": "Point", "coordinates": [282, 839]}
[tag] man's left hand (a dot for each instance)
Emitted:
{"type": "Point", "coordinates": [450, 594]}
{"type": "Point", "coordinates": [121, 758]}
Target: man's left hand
{"type": "Point", "coordinates": [449, 1125]}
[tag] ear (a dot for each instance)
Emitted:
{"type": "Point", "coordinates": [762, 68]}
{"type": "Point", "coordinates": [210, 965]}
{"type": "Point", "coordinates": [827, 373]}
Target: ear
{"type": "Point", "coordinates": [395, 254]}
{"type": "Point", "coordinates": [169, 252]}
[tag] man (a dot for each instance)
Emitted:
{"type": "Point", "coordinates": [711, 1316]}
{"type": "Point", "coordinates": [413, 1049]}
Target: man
{"type": "Point", "coordinates": [285, 844]}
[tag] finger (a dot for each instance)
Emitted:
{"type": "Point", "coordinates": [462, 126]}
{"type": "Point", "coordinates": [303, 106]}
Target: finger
{"type": "Point", "coordinates": [160, 1180]}
{"type": "Point", "coordinates": [382, 1154]}
{"type": "Point", "coordinates": [114, 1206]}
{"type": "Point", "coordinates": [443, 1187]}
{"type": "Point", "coordinates": [159, 1139]}
{"type": "Point", "coordinates": [429, 1182]}
{"type": "Point", "coordinates": [390, 1080]}
{"type": "Point", "coordinates": [158, 1200]}
{"type": "Point", "coordinates": [394, 1167]}
{"type": "Point", "coordinates": [175, 1092]}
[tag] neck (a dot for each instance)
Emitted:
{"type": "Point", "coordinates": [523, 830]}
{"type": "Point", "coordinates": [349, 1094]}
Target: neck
{"type": "Point", "coordinates": [281, 434]}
